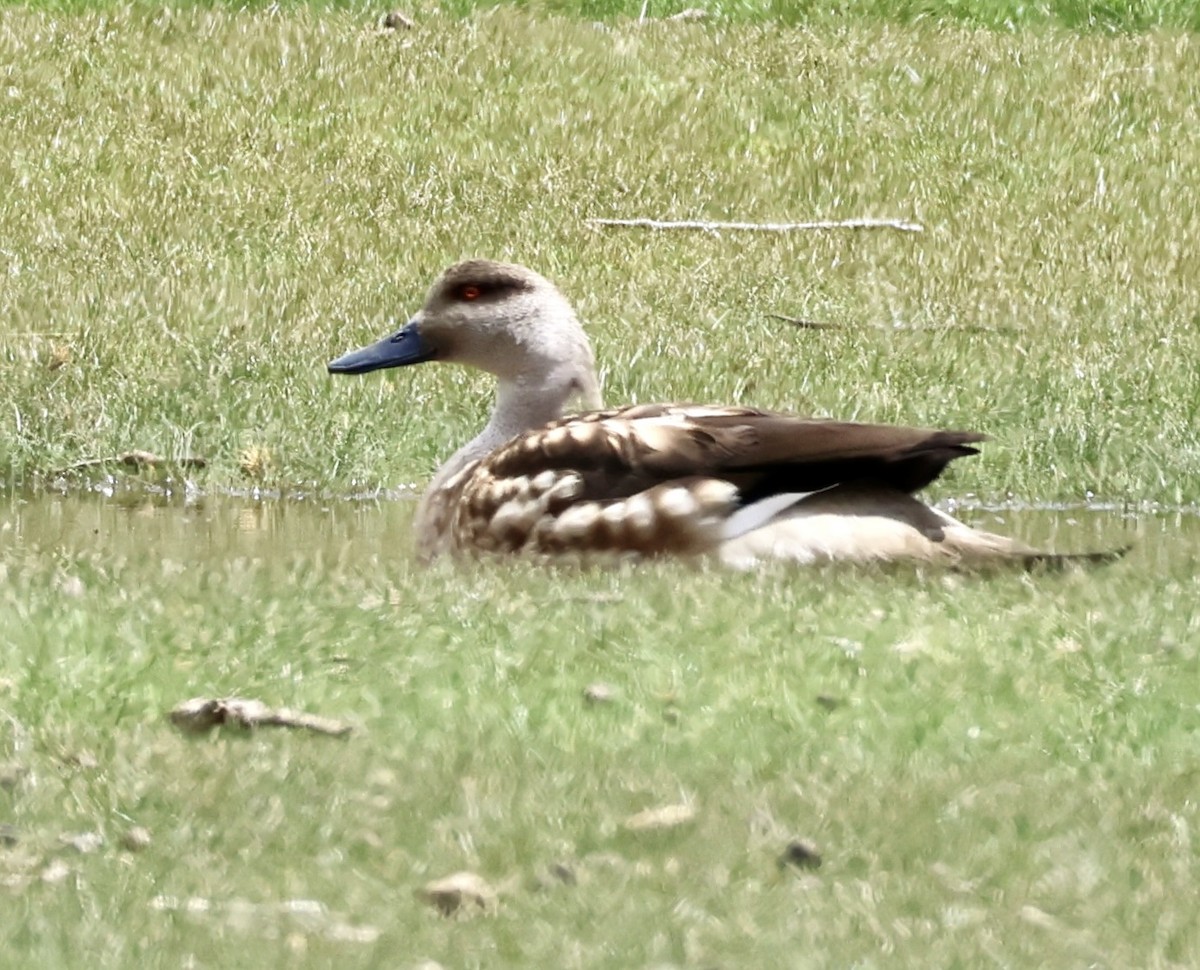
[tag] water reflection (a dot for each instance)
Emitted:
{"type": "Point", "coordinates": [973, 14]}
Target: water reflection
{"type": "Point", "coordinates": [204, 528]}
{"type": "Point", "coordinates": [195, 528]}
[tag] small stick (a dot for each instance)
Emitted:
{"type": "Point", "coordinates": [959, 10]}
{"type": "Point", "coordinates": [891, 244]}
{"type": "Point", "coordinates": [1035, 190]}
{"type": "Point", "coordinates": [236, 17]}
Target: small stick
{"type": "Point", "coordinates": [804, 324]}
{"type": "Point", "coordinates": [203, 714]}
{"type": "Point", "coordinates": [964, 327]}
{"type": "Point", "coordinates": [703, 226]}
{"type": "Point", "coordinates": [945, 327]}
{"type": "Point", "coordinates": [133, 459]}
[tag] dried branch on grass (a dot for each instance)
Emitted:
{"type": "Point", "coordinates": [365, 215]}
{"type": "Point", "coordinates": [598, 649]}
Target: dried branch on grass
{"type": "Point", "coordinates": [936, 328]}
{"type": "Point", "coordinates": [804, 324]}
{"type": "Point", "coordinates": [705, 226]}
{"type": "Point", "coordinates": [300, 918]}
{"type": "Point", "coordinates": [202, 714]}
{"type": "Point", "coordinates": [132, 459]}
{"type": "Point", "coordinates": [663, 817]}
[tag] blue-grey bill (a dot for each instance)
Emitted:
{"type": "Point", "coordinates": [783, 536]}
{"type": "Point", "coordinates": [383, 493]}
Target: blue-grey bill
{"type": "Point", "coordinates": [402, 348]}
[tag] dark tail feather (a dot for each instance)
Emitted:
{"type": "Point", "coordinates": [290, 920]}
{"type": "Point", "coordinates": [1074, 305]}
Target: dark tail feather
{"type": "Point", "coordinates": [1061, 560]}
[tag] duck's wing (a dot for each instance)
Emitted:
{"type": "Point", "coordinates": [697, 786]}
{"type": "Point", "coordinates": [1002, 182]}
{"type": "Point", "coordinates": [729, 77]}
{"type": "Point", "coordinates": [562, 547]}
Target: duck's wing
{"type": "Point", "coordinates": [619, 453]}
{"type": "Point", "coordinates": [668, 478]}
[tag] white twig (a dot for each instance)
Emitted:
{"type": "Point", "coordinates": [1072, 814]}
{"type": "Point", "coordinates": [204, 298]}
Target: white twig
{"type": "Point", "coordinates": [204, 713]}
{"type": "Point", "coordinates": [897, 224]}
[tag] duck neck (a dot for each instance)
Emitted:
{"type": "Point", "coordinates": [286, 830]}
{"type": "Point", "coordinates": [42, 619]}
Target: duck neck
{"type": "Point", "coordinates": [522, 404]}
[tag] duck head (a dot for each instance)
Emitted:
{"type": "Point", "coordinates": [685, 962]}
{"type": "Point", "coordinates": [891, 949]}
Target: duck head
{"type": "Point", "coordinates": [498, 317]}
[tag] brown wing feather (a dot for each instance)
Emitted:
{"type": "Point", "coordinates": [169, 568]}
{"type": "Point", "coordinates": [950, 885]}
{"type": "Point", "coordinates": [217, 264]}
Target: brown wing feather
{"type": "Point", "coordinates": [620, 452]}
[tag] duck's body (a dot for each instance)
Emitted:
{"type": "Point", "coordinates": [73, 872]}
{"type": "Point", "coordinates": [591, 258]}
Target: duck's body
{"type": "Point", "coordinates": [688, 479]}
{"type": "Point", "coordinates": [743, 484]}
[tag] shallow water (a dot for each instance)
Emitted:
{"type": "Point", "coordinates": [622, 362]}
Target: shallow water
{"type": "Point", "coordinates": [195, 529]}
{"type": "Point", "coordinates": [202, 528]}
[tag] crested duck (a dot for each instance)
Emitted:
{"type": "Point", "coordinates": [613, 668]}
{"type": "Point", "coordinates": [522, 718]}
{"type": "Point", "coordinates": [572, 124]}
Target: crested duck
{"type": "Point", "coordinates": [683, 479]}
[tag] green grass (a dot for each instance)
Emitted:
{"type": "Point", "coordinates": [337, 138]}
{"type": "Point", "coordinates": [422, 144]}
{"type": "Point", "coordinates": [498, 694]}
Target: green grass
{"type": "Point", "coordinates": [199, 207]}
{"type": "Point", "coordinates": [1089, 15]}
{"type": "Point", "coordinates": [1003, 772]}
{"type": "Point", "coordinates": [202, 207]}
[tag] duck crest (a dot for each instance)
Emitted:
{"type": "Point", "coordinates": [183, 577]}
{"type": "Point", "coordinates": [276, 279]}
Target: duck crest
{"type": "Point", "coordinates": [659, 479]}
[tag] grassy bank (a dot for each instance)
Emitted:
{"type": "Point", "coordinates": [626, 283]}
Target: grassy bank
{"type": "Point", "coordinates": [201, 207]}
{"type": "Point", "coordinates": [993, 772]}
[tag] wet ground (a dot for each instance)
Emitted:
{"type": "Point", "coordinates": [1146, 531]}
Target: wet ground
{"type": "Point", "coordinates": [197, 528]}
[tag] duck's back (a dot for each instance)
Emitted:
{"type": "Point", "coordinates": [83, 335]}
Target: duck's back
{"type": "Point", "coordinates": [657, 479]}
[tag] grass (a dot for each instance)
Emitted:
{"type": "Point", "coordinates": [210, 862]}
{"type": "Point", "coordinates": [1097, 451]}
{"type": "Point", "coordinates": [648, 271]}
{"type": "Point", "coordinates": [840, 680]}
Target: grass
{"type": "Point", "coordinates": [199, 207]}
{"type": "Point", "coordinates": [203, 207]}
{"type": "Point", "coordinates": [994, 772]}
{"type": "Point", "coordinates": [1088, 15]}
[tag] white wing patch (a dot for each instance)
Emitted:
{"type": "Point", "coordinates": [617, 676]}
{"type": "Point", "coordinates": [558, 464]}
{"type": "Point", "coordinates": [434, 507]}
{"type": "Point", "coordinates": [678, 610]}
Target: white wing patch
{"type": "Point", "coordinates": [758, 514]}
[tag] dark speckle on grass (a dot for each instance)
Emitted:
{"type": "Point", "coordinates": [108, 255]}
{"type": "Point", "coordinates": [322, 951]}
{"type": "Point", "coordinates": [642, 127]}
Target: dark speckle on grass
{"type": "Point", "coordinates": [10, 775]}
{"type": "Point", "coordinates": [563, 873]}
{"type": "Point", "coordinates": [397, 20]}
{"type": "Point", "coordinates": [800, 855]}
{"type": "Point", "coordinates": [461, 892]}
{"type": "Point", "coordinates": [555, 876]}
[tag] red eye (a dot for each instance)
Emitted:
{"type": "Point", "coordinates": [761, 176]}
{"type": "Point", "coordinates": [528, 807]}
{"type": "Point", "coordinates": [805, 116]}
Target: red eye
{"type": "Point", "coordinates": [470, 292]}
